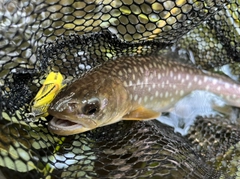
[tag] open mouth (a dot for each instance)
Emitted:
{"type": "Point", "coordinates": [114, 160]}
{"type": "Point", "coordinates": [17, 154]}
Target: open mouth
{"type": "Point", "coordinates": [61, 126]}
{"type": "Point", "coordinates": [66, 127]}
{"type": "Point", "coordinates": [63, 122]}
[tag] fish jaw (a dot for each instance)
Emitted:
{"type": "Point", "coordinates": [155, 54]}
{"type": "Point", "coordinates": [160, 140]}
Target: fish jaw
{"type": "Point", "coordinates": [66, 127]}
{"type": "Point", "coordinates": [70, 124]}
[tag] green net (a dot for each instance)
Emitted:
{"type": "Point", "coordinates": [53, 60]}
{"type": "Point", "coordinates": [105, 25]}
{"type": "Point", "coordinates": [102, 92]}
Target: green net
{"type": "Point", "coordinates": [71, 37]}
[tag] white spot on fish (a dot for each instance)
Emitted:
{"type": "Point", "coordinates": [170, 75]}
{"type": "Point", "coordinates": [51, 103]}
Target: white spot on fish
{"type": "Point", "coordinates": [219, 88]}
{"type": "Point", "coordinates": [187, 77]}
{"type": "Point", "coordinates": [214, 81]}
{"type": "Point", "coordinates": [141, 69]}
{"type": "Point", "coordinates": [159, 76]}
{"type": "Point", "coordinates": [234, 96]}
{"type": "Point", "coordinates": [227, 86]}
{"type": "Point", "coordinates": [190, 71]}
{"type": "Point", "coordinates": [167, 73]}
{"type": "Point", "coordinates": [228, 97]}
{"type": "Point", "coordinates": [140, 100]}
{"type": "Point", "coordinates": [179, 76]}
{"type": "Point", "coordinates": [138, 82]}
{"type": "Point", "coordinates": [207, 87]}
{"type": "Point", "coordinates": [205, 79]}
{"type": "Point", "coordinates": [157, 93]}
{"type": "Point", "coordinates": [176, 92]}
{"type": "Point", "coordinates": [151, 76]}
{"type": "Point", "coordinates": [133, 76]}
{"type": "Point", "coordinates": [125, 71]}
{"type": "Point", "coordinates": [146, 68]}
{"type": "Point", "coordinates": [161, 95]}
{"type": "Point", "coordinates": [189, 85]}
{"type": "Point", "coordinates": [125, 84]}
{"type": "Point", "coordinates": [154, 85]}
{"type": "Point", "coordinates": [200, 82]}
{"type": "Point", "coordinates": [181, 92]}
{"type": "Point", "coordinates": [135, 69]}
{"type": "Point", "coordinates": [195, 79]}
{"type": "Point", "coordinates": [154, 64]}
{"type": "Point", "coordinates": [130, 96]}
{"type": "Point", "coordinates": [145, 99]}
{"type": "Point", "coordinates": [135, 97]}
{"type": "Point", "coordinates": [120, 73]}
{"type": "Point", "coordinates": [163, 67]}
{"type": "Point", "coordinates": [130, 83]}
{"type": "Point", "coordinates": [166, 94]}
{"type": "Point", "coordinates": [151, 98]}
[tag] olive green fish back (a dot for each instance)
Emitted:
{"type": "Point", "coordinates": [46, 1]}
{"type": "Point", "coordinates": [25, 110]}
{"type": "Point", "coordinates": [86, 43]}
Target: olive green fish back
{"type": "Point", "coordinates": [71, 37]}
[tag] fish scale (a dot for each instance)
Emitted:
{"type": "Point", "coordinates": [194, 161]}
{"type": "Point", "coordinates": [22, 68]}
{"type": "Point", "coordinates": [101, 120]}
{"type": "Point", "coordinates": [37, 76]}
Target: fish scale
{"type": "Point", "coordinates": [132, 88]}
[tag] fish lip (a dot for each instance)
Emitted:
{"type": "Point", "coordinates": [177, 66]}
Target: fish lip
{"type": "Point", "coordinates": [64, 126]}
{"type": "Point", "coordinates": [57, 121]}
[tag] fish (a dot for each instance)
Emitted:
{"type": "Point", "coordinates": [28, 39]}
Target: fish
{"type": "Point", "coordinates": [132, 88]}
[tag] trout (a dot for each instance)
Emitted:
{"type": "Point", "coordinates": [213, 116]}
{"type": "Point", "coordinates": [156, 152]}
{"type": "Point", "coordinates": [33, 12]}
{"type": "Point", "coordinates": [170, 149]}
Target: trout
{"type": "Point", "coordinates": [132, 88]}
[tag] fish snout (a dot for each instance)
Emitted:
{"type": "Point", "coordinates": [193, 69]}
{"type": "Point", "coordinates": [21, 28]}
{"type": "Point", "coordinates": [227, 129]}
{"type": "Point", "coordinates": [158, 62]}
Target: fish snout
{"type": "Point", "coordinates": [71, 107]}
{"type": "Point", "coordinates": [63, 108]}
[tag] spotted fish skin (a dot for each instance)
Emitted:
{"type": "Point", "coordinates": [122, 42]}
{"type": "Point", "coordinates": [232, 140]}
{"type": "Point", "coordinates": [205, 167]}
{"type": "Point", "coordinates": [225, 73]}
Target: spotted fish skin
{"type": "Point", "coordinates": [132, 88]}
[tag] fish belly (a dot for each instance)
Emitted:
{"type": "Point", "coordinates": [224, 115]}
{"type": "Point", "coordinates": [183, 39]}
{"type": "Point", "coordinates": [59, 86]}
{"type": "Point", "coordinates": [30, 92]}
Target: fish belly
{"type": "Point", "coordinates": [197, 103]}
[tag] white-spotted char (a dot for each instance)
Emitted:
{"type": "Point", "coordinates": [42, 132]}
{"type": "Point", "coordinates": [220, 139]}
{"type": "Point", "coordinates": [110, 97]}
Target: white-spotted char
{"type": "Point", "coordinates": [132, 88]}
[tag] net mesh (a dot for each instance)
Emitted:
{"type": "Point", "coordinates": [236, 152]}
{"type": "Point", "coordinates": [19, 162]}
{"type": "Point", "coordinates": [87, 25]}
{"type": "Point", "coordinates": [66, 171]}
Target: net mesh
{"type": "Point", "coordinates": [71, 37]}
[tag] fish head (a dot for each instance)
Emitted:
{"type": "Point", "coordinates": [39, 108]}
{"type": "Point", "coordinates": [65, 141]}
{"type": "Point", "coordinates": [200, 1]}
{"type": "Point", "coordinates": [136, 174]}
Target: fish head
{"type": "Point", "coordinates": [86, 104]}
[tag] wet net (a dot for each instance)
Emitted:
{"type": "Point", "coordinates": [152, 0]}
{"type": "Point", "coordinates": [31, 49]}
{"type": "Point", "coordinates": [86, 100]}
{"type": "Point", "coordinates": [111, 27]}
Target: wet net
{"type": "Point", "coordinates": [71, 37]}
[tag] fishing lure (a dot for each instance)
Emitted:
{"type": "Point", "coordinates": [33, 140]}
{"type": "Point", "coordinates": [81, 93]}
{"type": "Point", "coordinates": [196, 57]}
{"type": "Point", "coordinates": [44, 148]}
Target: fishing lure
{"type": "Point", "coordinates": [51, 87]}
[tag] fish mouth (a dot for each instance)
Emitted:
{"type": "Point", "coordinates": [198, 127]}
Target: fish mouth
{"type": "Point", "coordinates": [66, 127]}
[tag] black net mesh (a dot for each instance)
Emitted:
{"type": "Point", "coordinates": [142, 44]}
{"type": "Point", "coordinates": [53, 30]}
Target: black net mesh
{"type": "Point", "coordinates": [71, 37]}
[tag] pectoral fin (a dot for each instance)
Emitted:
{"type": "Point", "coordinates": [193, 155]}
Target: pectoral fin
{"type": "Point", "coordinates": [226, 109]}
{"type": "Point", "coordinates": [141, 113]}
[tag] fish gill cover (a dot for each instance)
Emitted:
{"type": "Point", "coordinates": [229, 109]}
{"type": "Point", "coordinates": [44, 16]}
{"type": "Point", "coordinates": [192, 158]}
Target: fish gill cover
{"type": "Point", "coordinates": [71, 37]}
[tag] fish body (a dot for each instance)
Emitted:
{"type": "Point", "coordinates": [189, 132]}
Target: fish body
{"type": "Point", "coordinates": [132, 88]}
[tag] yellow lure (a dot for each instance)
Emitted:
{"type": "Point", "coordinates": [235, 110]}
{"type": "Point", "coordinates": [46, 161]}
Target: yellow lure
{"type": "Point", "coordinates": [51, 87]}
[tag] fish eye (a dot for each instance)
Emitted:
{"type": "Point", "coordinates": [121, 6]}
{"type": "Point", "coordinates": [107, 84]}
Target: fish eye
{"type": "Point", "coordinates": [91, 107]}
